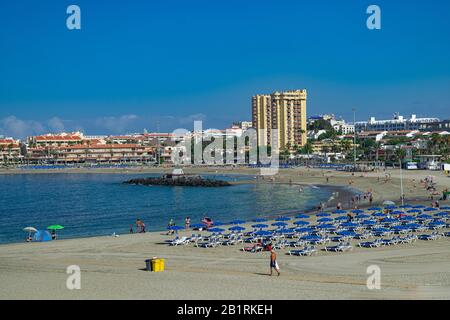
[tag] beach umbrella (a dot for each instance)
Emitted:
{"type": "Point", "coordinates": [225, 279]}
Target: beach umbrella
{"type": "Point", "coordinates": [391, 207]}
{"type": "Point", "coordinates": [424, 217]}
{"type": "Point", "coordinates": [325, 226]}
{"type": "Point", "coordinates": [259, 220]}
{"type": "Point", "coordinates": [414, 211]}
{"type": "Point", "coordinates": [311, 237]}
{"type": "Point", "coordinates": [378, 214]}
{"type": "Point", "coordinates": [389, 220]}
{"type": "Point", "coordinates": [369, 222]}
{"type": "Point", "coordinates": [301, 223]}
{"type": "Point", "coordinates": [323, 214]}
{"type": "Point", "coordinates": [197, 225]}
{"type": "Point", "coordinates": [413, 225]}
{"type": "Point", "coordinates": [301, 216]}
{"type": "Point", "coordinates": [263, 233]}
{"type": "Point", "coordinates": [357, 211]}
{"type": "Point", "coordinates": [430, 209]}
{"type": "Point", "coordinates": [346, 233]}
{"type": "Point", "coordinates": [381, 230]}
{"type": "Point", "coordinates": [236, 228]}
{"type": "Point", "coordinates": [218, 223]}
{"type": "Point", "coordinates": [441, 214]}
{"type": "Point", "coordinates": [407, 218]}
{"type": "Point", "coordinates": [30, 230]}
{"type": "Point", "coordinates": [419, 207]}
{"type": "Point", "coordinates": [349, 225]}
{"type": "Point", "coordinates": [341, 218]}
{"type": "Point", "coordinates": [219, 230]}
{"type": "Point", "coordinates": [279, 224]}
{"type": "Point", "coordinates": [437, 223]}
{"type": "Point", "coordinates": [303, 230]}
{"type": "Point", "coordinates": [285, 231]}
{"type": "Point", "coordinates": [445, 208]}
{"type": "Point", "coordinates": [339, 211]}
{"type": "Point", "coordinates": [374, 208]}
{"type": "Point", "coordinates": [175, 228]}
{"type": "Point", "coordinates": [282, 219]}
{"type": "Point", "coordinates": [399, 228]}
{"type": "Point", "coordinates": [362, 216]}
{"type": "Point", "coordinates": [260, 226]}
{"type": "Point", "coordinates": [237, 221]}
{"type": "Point", "coordinates": [55, 227]}
{"type": "Point", "coordinates": [321, 220]}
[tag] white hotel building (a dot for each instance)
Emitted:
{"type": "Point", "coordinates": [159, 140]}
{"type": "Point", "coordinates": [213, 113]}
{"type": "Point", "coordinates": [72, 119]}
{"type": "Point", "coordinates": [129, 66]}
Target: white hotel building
{"type": "Point", "coordinates": [398, 123]}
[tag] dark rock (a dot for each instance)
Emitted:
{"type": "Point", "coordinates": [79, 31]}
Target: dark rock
{"type": "Point", "coordinates": [189, 181]}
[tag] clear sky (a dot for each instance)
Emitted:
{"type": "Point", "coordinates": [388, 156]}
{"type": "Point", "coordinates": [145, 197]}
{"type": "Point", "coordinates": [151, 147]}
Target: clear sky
{"type": "Point", "coordinates": [159, 64]}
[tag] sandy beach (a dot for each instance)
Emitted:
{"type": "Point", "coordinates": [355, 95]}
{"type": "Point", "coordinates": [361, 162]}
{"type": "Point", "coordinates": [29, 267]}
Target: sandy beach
{"type": "Point", "coordinates": [113, 267]}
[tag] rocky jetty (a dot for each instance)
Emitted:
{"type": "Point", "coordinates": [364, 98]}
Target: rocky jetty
{"type": "Point", "coordinates": [189, 181]}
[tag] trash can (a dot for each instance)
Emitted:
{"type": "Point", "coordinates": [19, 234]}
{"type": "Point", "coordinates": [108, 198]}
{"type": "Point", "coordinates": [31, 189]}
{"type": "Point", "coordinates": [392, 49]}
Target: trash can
{"type": "Point", "coordinates": [161, 264]}
{"type": "Point", "coordinates": [155, 265]}
{"type": "Point", "coordinates": [148, 265]}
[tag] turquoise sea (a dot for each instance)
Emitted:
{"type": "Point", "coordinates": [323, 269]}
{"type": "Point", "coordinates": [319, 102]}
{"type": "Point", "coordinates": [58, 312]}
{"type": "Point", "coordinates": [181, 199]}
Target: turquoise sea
{"type": "Point", "coordinates": [100, 204]}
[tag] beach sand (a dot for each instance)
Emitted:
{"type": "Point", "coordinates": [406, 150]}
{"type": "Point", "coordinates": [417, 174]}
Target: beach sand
{"type": "Point", "coordinates": [113, 267]}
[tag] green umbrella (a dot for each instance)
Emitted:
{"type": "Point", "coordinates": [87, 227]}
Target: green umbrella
{"type": "Point", "coordinates": [55, 227]}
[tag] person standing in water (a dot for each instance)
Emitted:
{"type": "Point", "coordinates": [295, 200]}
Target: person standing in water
{"type": "Point", "coordinates": [273, 262]}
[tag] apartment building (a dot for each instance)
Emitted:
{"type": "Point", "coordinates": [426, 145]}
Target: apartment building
{"type": "Point", "coordinates": [281, 112]}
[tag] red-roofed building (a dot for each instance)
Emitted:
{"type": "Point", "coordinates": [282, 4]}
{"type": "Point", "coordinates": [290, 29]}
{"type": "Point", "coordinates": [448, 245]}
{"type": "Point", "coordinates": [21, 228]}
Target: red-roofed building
{"type": "Point", "coordinates": [10, 150]}
{"type": "Point", "coordinates": [94, 153]}
{"type": "Point", "coordinates": [63, 139]}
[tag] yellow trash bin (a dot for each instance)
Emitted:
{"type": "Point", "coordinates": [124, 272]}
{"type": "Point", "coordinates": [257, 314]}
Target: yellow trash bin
{"type": "Point", "coordinates": [157, 265]}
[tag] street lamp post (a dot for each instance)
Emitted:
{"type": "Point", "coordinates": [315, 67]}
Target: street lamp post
{"type": "Point", "coordinates": [354, 139]}
{"type": "Point", "coordinates": [401, 183]}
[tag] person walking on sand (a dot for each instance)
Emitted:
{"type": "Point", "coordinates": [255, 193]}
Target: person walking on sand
{"type": "Point", "coordinates": [273, 262]}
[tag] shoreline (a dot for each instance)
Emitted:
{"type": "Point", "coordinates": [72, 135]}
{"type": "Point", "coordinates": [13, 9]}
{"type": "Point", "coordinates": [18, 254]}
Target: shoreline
{"type": "Point", "coordinates": [343, 191]}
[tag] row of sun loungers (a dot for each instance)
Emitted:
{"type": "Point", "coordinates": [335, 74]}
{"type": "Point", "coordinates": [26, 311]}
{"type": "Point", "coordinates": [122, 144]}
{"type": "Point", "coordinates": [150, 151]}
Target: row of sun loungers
{"type": "Point", "coordinates": [303, 240]}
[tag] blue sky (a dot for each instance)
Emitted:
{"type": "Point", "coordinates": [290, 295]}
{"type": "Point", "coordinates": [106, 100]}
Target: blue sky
{"type": "Point", "coordinates": [161, 64]}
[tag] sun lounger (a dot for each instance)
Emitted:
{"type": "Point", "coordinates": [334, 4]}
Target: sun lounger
{"type": "Point", "coordinates": [430, 237]}
{"type": "Point", "coordinates": [339, 248]}
{"type": "Point", "coordinates": [370, 244]}
{"type": "Point", "coordinates": [254, 248]}
{"type": "Point", "coordinates": [296, 244]}
{"type": "Point", "coordinates": [308, 251]}
{"type": "Point", "coordinates": [177, 241]}
{"type": "Point", "coordinates": [389, 242]}
{"type": "Point", "coordinates": [209, 244]}
{"type": "Point", "coordinates": [361, 236]}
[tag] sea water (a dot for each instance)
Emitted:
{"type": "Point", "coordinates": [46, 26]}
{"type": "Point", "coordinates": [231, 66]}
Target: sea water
{"type": "Point", "coordinates": [100, 204]}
